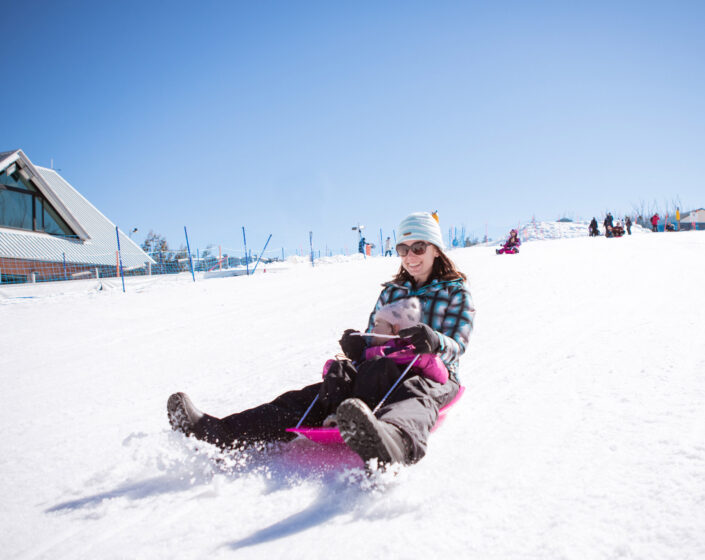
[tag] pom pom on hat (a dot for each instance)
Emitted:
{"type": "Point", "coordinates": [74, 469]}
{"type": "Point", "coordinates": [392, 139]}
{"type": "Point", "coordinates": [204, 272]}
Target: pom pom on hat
{"type": "Point", "coordinates": [421, 226]}
{"type": "Point", "coordinates": [403, 313]}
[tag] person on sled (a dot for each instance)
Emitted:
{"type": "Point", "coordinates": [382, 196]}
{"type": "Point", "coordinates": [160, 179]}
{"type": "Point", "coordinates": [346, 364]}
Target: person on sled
{"type": "Point", "coordinates": [594, 232]}
{"type": "Point", "coordinates": [617, 229]}
{"type": "Point", "coordinates": [511, 245]}
{"type": "Point", "coordinates": [399, 431]}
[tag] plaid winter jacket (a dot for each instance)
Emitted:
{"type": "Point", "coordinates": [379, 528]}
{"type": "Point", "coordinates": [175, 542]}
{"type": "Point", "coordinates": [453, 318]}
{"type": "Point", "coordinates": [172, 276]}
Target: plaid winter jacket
{"type": "Point", "coordinates": [446, 307]}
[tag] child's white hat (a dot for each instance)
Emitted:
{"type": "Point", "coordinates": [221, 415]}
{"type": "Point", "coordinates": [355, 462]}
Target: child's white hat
{"type": "Point", "coordinates": [403, 313]}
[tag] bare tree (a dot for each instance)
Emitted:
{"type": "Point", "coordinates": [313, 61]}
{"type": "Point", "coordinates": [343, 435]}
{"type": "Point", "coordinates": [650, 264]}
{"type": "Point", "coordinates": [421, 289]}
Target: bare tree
{"type": "Point", "coordinates": [155, 242]}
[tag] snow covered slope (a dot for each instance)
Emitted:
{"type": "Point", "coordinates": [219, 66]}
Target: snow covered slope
{"type": "Point", "coordinates": [581, 434]}
{"type": "Point", "coordinates": [541, 231]}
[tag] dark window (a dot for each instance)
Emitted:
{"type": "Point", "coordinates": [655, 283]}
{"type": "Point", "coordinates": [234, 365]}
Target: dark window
{"type": "Point", "coordinates": [15, 209]}
{"type": "Point", "coordinates": [22, 206]}
{"type": "Point", "coordinates": [12, 278]}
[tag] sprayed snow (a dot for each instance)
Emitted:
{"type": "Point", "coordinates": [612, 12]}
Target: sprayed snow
{"type": "Point", "coordinates": [581, 433]}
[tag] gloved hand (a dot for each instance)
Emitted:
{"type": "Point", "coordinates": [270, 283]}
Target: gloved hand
{"type": "Point", "coordinates": [423, 338]}
{"type": "Point", "coordinates": [353, 346]}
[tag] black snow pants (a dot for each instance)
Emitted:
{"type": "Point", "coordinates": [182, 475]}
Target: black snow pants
{"type": "Point", "coordinates": [412, 407]}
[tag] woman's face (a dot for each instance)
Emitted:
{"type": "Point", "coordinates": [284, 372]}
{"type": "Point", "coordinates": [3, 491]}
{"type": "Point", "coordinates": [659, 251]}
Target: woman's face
{"type": "Point", "coordinates": [419, 266]}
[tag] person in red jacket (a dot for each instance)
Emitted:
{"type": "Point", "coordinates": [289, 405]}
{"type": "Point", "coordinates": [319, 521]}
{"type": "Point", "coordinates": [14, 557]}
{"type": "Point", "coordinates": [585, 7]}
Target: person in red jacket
{"type": "Point", "coordinates": [654, 222]}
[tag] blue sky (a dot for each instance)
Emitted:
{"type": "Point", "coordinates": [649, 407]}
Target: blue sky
{"type": "Point", "coordinates": [286, 117]}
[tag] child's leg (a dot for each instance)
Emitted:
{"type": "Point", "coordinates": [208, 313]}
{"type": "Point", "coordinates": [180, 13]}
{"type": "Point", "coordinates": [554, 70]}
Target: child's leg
{"type": "Point", "coordinates": [337, 385]}
{"type": "Point", "coordinates": [373, 380]}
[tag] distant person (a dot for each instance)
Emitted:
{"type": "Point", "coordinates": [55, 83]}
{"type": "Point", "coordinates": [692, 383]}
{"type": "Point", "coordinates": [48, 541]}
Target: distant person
{"type": "Point", "coordinates": [592, 228]}
{"type": "Point", "coordinates": [511, 245]}
{"type": "Point", "coordinates": [628, 224]}
{"type": "Point", "coordinates": [362, 245]}
{"type": "Point", "coordinates": [654, 222]}
{"type": "Point", "coordinates": [388, 247]}
{"type": "Point", "coordinates": [608, 224]}
{"type": "Point", "coordinates": [617, 229]}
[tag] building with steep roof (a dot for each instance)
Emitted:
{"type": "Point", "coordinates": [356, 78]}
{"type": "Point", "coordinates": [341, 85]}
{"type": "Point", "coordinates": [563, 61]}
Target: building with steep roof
{"type": "Point", "coordinates": [49, 231]}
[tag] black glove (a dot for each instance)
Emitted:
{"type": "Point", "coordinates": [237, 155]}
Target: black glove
{"type": "Point", "coordinates": [353, 346]}
{"type": "Point", "coordinates": [424, 339]}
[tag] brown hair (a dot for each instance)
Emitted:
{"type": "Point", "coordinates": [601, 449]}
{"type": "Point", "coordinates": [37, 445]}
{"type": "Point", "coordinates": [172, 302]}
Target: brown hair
{"type": "Point", "coordinates": [443, 269]}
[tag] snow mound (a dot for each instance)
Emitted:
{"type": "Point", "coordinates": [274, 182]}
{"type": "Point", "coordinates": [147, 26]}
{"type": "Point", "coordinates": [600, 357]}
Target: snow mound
{"type": "Point", "coordinates": [541, 231]}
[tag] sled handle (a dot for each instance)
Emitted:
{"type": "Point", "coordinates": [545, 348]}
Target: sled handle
{"type": "Point", "coordinates": [384, 398]}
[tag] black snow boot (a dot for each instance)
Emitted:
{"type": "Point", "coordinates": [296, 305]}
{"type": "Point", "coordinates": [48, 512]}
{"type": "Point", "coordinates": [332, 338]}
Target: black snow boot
{"type": "Point", "coordinates": [368, 436]}
{"type": "Point", "coordinates": [186, 418]}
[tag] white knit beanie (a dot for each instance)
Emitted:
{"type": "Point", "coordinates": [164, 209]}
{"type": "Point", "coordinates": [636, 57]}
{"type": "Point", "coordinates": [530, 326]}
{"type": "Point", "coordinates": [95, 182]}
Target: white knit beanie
{"type": "Point", "coordinates": [421, 226]}
{"type": "Point", "coordinates": [403, 313]}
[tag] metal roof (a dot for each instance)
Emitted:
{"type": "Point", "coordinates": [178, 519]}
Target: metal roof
{"type": "Point", "coordinates": [97, 243]}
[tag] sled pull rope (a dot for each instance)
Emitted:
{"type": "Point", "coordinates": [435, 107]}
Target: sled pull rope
{"type": "Point", "coordinates": [307, 411]}
{"type": "Point", "coordinates": [384, 398]}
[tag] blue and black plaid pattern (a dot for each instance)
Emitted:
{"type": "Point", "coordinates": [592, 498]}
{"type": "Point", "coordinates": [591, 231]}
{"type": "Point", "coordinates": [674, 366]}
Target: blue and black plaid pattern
{"type": "Point", "coordinates": [447, 308]}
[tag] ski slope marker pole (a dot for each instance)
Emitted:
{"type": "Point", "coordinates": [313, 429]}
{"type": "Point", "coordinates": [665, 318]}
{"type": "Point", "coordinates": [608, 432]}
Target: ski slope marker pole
{"type": "Point", "coordinates": [384, 398]}
{"type": "Point", "coordinates": [122, 274]}
{"type": "Point", "coordinates": [190, 260]}
{"type": "Point", "coordinates": [244, 240]}
{"type": "Point", "coordinates": [262, 253]}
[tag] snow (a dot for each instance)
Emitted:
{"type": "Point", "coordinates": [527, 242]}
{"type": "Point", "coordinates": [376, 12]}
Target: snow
{"type": "Point", "coordinates": [581, 434]}
{"type": "Point", "coordinates": [541, 231]}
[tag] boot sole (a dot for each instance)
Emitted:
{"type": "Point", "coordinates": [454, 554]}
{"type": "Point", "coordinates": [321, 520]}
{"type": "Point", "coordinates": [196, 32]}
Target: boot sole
{"type": "Point", "coordinates": [359, 433]}
{"type": "Point", "coordinates": [178, 418]}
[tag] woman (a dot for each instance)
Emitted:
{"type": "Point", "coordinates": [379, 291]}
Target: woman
{"type": "Point", "coordinates": [399, 432]}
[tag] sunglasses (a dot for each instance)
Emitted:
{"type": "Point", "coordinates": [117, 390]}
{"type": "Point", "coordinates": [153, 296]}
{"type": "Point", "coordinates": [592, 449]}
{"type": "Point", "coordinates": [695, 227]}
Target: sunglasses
{"type": "Point", "coordinates": [417, 247]}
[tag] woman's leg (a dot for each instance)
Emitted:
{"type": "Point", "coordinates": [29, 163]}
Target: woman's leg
{"type": "Point", "coordinates": [266, 422]}
{"type": "Point", "coordinates": [413, 408]}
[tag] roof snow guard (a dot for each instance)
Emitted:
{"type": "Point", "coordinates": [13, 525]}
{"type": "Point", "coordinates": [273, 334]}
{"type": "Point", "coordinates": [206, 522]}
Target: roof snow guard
{"type": "Point", "coordinates": [95, 241]}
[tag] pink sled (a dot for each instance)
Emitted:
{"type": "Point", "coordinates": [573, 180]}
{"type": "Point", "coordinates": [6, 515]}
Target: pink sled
{"type": "Point", "coordinates": [331, 436]}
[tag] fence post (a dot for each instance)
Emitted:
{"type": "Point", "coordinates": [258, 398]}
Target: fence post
{"type": "Point", "coordinates": [310, 241]}
{"type": "Point", "coordinates": [188, 249]}
{"type": "Point", "coordinates": [64, 254]}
